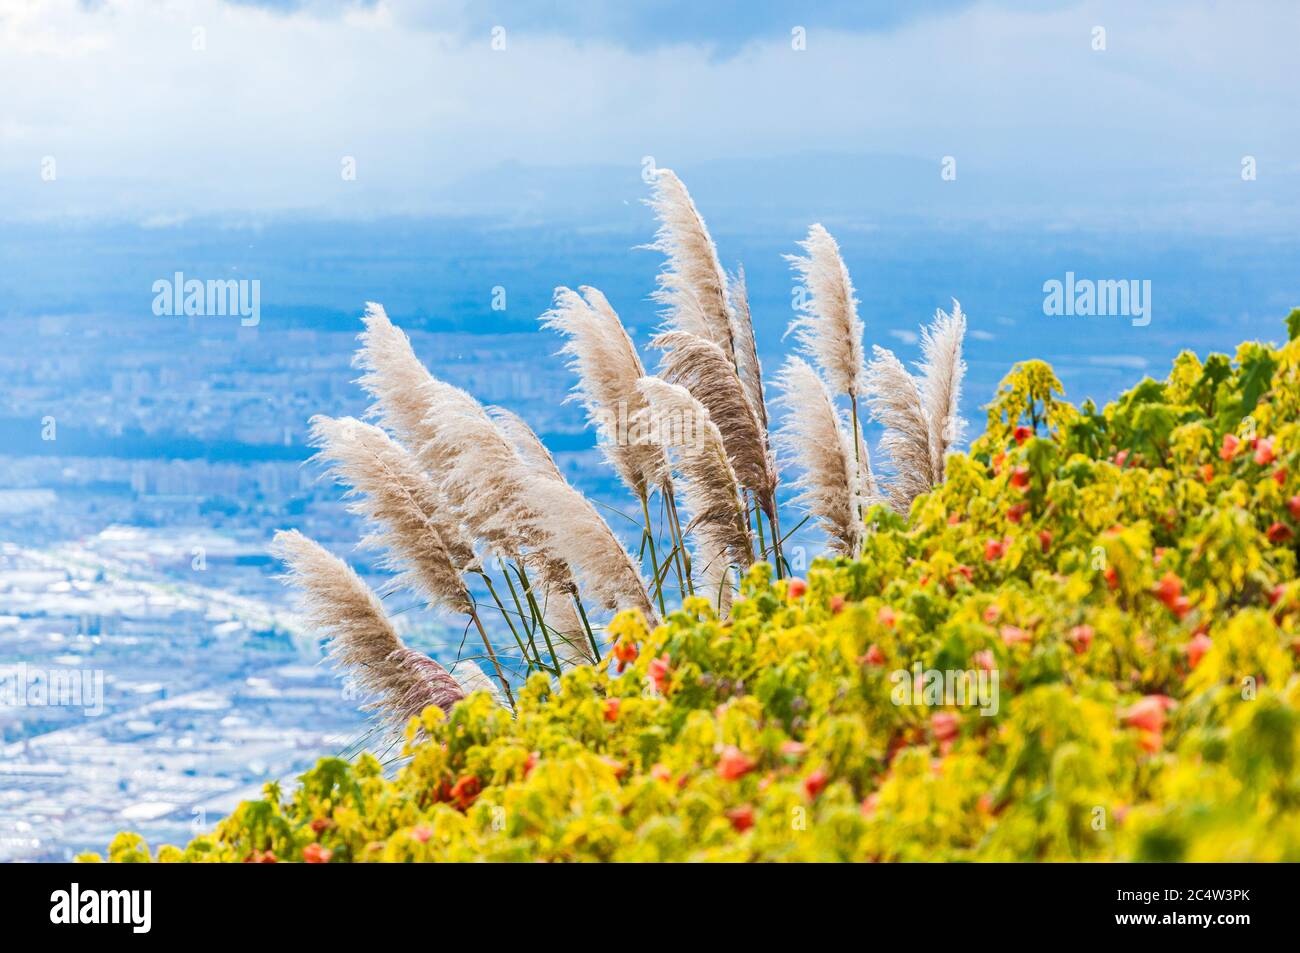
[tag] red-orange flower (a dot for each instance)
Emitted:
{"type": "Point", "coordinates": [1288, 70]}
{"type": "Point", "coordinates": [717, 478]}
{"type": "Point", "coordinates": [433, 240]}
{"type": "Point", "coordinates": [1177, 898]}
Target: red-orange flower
{"type": "Point", "coordinates": [1279, 533]}
{"type": "Point", "coordinates": [1081, 638]}
{"type": "Point", "coordinates": [1147, 714]}
{"type": "Point", "coordinates": [815, 783]}
{"type": "Point", "coordinates": [1014, 635]}
{"type": "Point", "coordinates": [1169, 588]}
{"type": "Point", "coordinates": [734, 764]}
{"type": "Point", "coordinates": [658, 672]}
{"type": "Point", "coordinates": [793, 749]}
{"type": "Point", "coordinates": [625, 653]}
{"type": "Point", "coordinates": [1197, 648]}
{"type": "Point", "coordinates": [611, 708]}
{"type": "Point", "coordinates": [1230, 445]}
{"type": "Point", "coordinates": [1150, 741]}
{"type": "Point", "coordinates": [796, 588]}
{"type": "Point", "coordinates": [944, 725]}
{"type": "Point", "coordinates": [316, 854]}
{"type": "Point", "coordinates": [742, 818]}
{"type": "Point", "coordinates": [465, 791]}
{"type": "Point", "coordinates": [1021, 434]}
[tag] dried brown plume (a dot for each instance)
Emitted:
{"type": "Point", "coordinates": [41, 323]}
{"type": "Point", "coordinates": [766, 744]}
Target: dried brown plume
{"type": "Point", "coordinates": [703, 369]}
{"type": "Point", "coordinates": [709, 489]}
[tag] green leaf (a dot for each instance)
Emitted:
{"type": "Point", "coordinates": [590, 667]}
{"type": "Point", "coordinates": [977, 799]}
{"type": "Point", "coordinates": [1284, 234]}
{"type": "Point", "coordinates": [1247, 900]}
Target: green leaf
{"type": "Point", "coordinates": [1256, 377]}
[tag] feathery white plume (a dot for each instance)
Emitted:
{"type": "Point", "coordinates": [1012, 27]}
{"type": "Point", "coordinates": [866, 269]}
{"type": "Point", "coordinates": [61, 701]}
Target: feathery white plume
{"type": "Point", "coordinates": [484, 464]}
{"type": "Point", "coordinates": [716, 575]}
{"type": "Point", "coordinates": [361, 639]}
{"type": "Point", "coordinates": [555, 574]}
{"type": "Point", "coordinates": [398, 382]}
{"type": "Point", "coordinates": [480, 471]}
{"type": "Point", "coordinates": [867, 486]}
{"type": "Point", "coordinates": [750, 371]}
{"type": "Point", "coordinates": [527, 444]}
{"type": "Point", "coordinates": [573, 647]}
{"type": "Point", "coordinates": [471, 678]}
{"type": "Point", "coordinates": [895, 401]}
{"type": "Point", "coordinates": [709, 489]}
{"type": "Point", "coordinates": [748, 366]}
{"type": "Point", "coordinates": [568, 529]}
{"type": "Point", "coordinates": [608, 367]}
{"type": "Point", "coordinates": [827, 327]}
{"type": "Point", "coordinates": [701, 367]}
{"type": "Point", "coordinates": [942, 371]}
{"type": "Point", "coordinates": [576, 534]}
{"type": "Point", "coordinates": [692, 285]}
{"type": "Point", "coordinates": [410, 521]}
{"type": "Point", "coordinates": [815, 438]}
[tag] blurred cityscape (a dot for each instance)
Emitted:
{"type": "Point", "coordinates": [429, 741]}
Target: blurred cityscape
{"type": "Point", "coordinates": [147, 468]}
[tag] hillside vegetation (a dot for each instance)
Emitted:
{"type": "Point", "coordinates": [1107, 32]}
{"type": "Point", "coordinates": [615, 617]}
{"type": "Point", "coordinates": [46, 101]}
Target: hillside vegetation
{"type": "Point", "coordinates": [1127, 574]}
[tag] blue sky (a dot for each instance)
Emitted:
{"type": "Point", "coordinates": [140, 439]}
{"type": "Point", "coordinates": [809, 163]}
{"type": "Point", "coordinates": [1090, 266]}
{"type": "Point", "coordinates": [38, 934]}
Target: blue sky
{"type": "Point", "coordinates": [258, 120]}
{"type": "Point", "coordinates": [725, 25]}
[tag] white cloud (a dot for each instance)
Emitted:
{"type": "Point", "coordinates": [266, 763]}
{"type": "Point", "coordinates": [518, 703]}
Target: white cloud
{"type": "Point", "coordinates": [260, 120]}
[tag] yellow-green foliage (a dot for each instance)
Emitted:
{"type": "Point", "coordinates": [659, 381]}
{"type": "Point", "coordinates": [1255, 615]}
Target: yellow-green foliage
{"type": "Point", "coordinates": [1128, 573]}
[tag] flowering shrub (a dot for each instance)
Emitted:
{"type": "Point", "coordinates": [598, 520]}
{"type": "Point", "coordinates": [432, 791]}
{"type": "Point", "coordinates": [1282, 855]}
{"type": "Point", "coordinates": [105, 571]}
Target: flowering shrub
{"type": "Point", "coordinates": [1127, 573]}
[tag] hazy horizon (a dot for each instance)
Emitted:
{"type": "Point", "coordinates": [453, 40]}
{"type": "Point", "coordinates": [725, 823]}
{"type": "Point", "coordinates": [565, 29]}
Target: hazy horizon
{"type": "Point", "coordinates": [1097, 114]}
